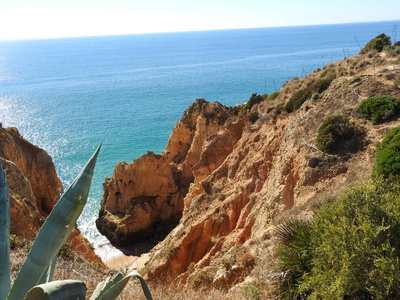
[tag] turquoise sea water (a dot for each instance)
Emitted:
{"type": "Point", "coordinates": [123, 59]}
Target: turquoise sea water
{"type": "Point", "coordinates": [127, 92]}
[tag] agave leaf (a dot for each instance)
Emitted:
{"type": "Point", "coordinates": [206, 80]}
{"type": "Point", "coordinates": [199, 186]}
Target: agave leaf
{"type": "Point", "coordinates": [48, 274]}
{"type": "Point", "coordinates": [112, 289]}
{"type": "Point", "coordinates": [4, 235]}
{"type": "Point", "coordinates": [54, 232]}
{"type": "Point", "coordinates": [104, 286]}
{"type": "Point", "coordinates": [57, 290]}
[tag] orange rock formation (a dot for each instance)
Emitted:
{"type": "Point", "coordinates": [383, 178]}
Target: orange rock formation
{"type": "Point", "coordinates": [145, 199]}
{"type": "Point", "coordinates": [34, 186]}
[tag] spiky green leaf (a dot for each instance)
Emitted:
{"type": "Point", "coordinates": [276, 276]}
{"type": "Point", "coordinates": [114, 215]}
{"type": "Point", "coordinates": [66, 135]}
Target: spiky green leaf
{"type": "Point", "coordinates": [110, 290]}
{"type": "Point", "coordinates": [48, 275]}
{"type": "Point", "coordinates": [105, 285]}
{"type": "Point", "coordinates": [4, 235]}
{"type": "Point", "coordinates": [54, 232]}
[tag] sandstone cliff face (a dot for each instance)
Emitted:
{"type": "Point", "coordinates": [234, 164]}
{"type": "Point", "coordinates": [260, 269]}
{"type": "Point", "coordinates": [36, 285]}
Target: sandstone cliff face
{"type": "Point", "coordinates": [247, 177]}
{"type": "Point", "coordinates": [34, 186]}
{"type": "Point", "coordinates": [31, 161]}
{"type": "Point", "coordinates": [145, 199]}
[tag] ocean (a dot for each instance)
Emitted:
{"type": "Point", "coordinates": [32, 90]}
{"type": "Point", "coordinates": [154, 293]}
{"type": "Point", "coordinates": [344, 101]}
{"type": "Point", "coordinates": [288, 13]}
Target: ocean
{"type": "Point", "coordinates": [69, 95]}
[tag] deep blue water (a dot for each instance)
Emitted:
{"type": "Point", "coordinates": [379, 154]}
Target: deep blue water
{"type": "Point", "coordinates": [69, 95]}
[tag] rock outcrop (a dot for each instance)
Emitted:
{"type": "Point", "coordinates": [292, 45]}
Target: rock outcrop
{"type": "Point", "coordinates": [233, 179]}
{"type": "Point", "coordinates": [34, 186]}
{"type": "Point", "coordinates": [145, 199]}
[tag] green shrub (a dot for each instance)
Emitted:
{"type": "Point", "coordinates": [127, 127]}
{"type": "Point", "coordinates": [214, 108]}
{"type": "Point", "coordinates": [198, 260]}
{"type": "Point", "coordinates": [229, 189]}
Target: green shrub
{"type": "Point", "coordinates": [388, 155]}
{"type": "Point", "coordinates": [297, 100]}
{"type": "Point", "coordinates": [254, 99]}
{"type": "Point", "coordinates": [320, 85]}
{"type": "Point", "coordinates": [333, 131]}
{"type": "Point", "coordinates": [253, 117]}
{"type": "Point", "coordinates": [356, 246]}
{"type": "Point", "coordinates": [19, 242]}
{"type": "Point", "coordinates": [379, 108]}
{"type": "Point", "coordinates": [377, 43]}
{"type": "Point", "coordinates": [323, 83]}
{"type": "Point", "coordinates": [273, 96]}
{"type": "Point", "coordinates": [351, 250]}
{"type": "Point", "coordinates": [67, 252]}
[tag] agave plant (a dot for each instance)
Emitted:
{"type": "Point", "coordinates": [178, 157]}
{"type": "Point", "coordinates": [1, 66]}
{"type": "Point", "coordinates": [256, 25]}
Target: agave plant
{"type": "Point", "coordinates": [34, 278]}
{"type": "Point", "coordinates": [4, 235]}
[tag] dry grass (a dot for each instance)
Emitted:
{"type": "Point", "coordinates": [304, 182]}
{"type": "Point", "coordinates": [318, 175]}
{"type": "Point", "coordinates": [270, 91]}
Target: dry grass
{"type": "Point", "coordinates": [377, 72]}
{"type": "Point", "coordinates": [173, 292]}
{"type": "Point", "coordinates": [77, 268]}
{"type": "Point", "coordinates": [70, 268]}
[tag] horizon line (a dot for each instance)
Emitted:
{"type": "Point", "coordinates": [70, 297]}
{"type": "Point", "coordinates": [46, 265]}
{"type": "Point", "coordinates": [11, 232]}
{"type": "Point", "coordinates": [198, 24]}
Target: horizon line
{"type": "Point", "coordinates": [185, 31]}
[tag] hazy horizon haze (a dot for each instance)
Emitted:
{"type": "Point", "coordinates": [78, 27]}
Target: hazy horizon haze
{"type": "Point", "coordinates": [22, 19]}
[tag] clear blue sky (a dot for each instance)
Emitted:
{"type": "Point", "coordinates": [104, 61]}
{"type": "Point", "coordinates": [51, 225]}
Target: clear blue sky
{"type": "Point", "coordinates": [22, 19]}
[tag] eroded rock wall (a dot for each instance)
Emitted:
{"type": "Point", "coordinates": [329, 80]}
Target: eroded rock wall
{"type": "Point", "coordinates": [145, 199]}
{"type": "Point", "coordinates": [34, 186]}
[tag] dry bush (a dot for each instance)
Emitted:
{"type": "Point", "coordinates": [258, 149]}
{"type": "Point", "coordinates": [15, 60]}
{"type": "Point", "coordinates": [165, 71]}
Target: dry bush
{"type": "Point", "coordinates": [246, 260]}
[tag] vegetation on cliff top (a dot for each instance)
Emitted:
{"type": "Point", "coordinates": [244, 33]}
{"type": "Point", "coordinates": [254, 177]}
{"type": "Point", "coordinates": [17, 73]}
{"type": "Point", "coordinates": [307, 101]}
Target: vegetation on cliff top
{"type": "Point", "coordinates": [377, 44]}
{"type": "Point", "coordinates": [351, 249]}
{"type": "Point", "coordinates": [334, 132]}
{"type": "Point", "coordinates": [388, 155]}
{"type": "Point", "coordinates": [316, 87]}
{"type": "Point", "coordinates": [379, 108]}
{"type": "Point", "coordinates": [254, 99]}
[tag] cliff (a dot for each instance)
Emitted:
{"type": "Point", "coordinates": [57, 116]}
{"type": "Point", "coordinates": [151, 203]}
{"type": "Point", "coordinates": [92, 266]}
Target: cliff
{"type": "Point", "coordinates": [146, 199]}
{"type": "Point", "coordinates": [34, 186]}
{"type": "Point", "coordinates": [230, 178]}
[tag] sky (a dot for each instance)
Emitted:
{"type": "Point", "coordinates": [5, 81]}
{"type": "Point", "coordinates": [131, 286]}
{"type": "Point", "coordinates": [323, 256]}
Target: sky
{"type": "Point", "coordinates": [35, 19]}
